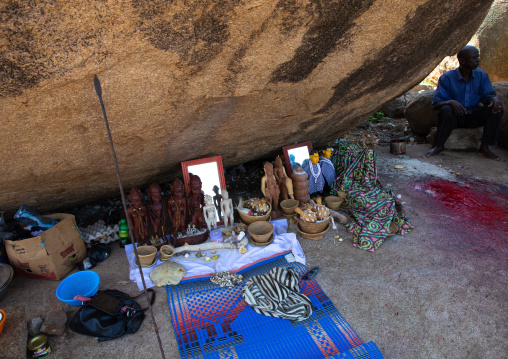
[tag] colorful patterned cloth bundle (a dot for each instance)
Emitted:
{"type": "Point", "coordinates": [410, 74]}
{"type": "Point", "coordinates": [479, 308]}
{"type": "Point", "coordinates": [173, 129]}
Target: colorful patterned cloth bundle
{"type": "Point", "coordinates": [376, 211]}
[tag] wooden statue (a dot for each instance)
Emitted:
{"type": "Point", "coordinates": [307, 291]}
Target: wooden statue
{"type": "Point", "coordinates": [177, 207]}
{"type": "Point", "coordinates": [227, 208]}
{"type": "Point", "coordinates": [209, 213]}
{"type": "Point", "coordinates": [271, 190]}
{"type": "Point", "coordinates": [284, 182]}
{"type": "Point", "coordinates": [138, 216]}
{"type": "Point", "coordinates": [216, 201]}
{"type": "Point", "coordinates": [195, 202]}
{"type": "Point", "coordinates": [157, 212]}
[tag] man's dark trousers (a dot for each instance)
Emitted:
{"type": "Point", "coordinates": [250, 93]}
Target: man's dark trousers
{"type": "Point", "coordinates": [481, 116]}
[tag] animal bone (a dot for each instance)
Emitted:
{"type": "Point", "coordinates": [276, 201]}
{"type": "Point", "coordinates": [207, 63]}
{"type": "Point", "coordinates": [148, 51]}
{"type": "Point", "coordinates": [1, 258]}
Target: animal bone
{"type": "Point", "coordinates": [211, 246]}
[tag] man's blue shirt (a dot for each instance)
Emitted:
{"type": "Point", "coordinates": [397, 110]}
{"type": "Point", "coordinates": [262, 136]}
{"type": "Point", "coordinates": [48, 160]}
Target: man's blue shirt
{"type": "Point", "coordinates": [451, 86]}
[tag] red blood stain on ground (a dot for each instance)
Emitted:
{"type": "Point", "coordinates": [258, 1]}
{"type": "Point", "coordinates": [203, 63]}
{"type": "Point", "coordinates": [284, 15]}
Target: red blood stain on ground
{"type": "Point", "coordinates": [475, 208]}
{"type": "Point", "coordinates": [479, 202]}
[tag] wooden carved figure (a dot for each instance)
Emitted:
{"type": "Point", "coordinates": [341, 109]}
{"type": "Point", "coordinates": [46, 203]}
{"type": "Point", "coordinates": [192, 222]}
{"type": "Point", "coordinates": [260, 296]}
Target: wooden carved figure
{"type": "Point", "coordinates": [157, 211]}
{"type": "Point", "coordinates": [227, 208]}
{"type": "Point", "coordinates": [138, 216]}
{"type": "Point", "coordinates": [271, 190]}
{"type": "Point", "coordinates": [285, 183]}
{"type": "Point", "coordinates": [177, 207]}
{"type": "Point", "coordinates": [210, 213]}
{"type": "Point", "coordinates": [195, 202]}
{"type": "Point", "coordinates": [216, 201]}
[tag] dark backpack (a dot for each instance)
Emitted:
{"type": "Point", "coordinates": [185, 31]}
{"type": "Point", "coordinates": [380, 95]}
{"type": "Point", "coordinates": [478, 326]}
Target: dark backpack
{"type": "Point", "coordinates": [109, 315]}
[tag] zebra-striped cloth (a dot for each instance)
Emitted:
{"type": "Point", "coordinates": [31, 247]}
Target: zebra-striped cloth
{"type": "Point", "coordinates": [277, 294]}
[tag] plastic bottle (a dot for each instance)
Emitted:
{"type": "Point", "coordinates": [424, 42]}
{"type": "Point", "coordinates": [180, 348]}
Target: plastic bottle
{"type": "Point", "coordinates": [123, 232]}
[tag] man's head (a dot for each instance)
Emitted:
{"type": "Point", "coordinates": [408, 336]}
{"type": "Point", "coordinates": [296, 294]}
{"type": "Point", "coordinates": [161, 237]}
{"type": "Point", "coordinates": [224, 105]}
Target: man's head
{"type": "Point", "coordinates": [469, 57]}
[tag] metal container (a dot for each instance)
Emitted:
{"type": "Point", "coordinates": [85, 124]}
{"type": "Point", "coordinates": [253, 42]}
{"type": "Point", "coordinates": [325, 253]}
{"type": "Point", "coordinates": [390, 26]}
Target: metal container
{"type": "Point", "coordinates": [398, 147]}
{"type": "Point", "coordinates": [38, 347]}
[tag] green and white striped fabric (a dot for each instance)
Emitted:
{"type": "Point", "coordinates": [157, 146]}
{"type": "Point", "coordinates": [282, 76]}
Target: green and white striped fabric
{"type": "Point", "coordinates": [277, 294]}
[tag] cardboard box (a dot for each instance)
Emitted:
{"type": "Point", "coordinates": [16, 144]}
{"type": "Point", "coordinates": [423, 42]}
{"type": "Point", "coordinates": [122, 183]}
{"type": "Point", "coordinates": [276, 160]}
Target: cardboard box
{"type": "Point", "coordinates": [52, 254]}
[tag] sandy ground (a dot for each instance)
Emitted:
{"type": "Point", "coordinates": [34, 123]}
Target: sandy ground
{"type": "Point", "coordinates": [441, 291]}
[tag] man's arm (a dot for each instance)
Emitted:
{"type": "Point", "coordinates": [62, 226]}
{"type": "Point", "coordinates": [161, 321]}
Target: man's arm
{"type": "Point", "coordinates": [457, 107]}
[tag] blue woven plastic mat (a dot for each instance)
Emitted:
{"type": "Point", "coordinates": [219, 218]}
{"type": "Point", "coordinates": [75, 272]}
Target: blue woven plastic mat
{"type": "Point", "coordinates": [214, 322]}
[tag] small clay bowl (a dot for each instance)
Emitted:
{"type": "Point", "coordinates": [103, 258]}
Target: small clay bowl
{"type": "Point", "coordinates": [334, 202]}
{"type": "Point", "coordinates": [260, 231]}
{"type": "Point", "coordinates": [289, 205]}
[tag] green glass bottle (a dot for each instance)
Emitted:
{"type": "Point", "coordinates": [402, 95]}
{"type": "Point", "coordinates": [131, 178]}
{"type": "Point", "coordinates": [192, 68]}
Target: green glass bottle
{"type": "Point", "coordinates": [123, 232]}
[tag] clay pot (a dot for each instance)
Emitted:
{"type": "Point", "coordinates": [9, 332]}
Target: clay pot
{"type": "Point", "coordinates": [301, 192]}
{"type": "Point", "coordinates": [299, 177]}
{"type": "Point", "coordinates": [300, 185]}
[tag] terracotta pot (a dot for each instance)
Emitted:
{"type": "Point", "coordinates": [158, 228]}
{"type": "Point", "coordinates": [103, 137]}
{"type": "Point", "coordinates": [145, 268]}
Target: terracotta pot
{"type": "Point", "coordinates": [299, 177]}
{"type": "Point", "coordinates": [300, 185]}
{"type": "Point", "coordinates": [303, 199]}
{"type": "Point", "coordinates": [300, 192]}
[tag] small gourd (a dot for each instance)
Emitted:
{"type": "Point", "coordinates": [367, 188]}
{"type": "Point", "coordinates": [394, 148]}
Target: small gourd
{"type": "Point", "coordinates": [322, 212]}
{"type": "Point", "coordinates": [307, 215]}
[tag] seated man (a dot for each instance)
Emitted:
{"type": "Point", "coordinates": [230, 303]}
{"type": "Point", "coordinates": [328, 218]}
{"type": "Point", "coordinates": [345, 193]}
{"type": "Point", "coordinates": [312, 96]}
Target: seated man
{"type": "Point", "coordinates": [466, 98]}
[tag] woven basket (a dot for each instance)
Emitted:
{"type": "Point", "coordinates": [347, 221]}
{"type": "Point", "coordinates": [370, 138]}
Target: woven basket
{"type": "Point", "coordinates": [146, 255]}
{"type": "Point", "coordinates": [166, 252]}
{"type": "Point", "coordinates": [240, 227]}
{"type": "Point", "coordinates": [260, 231]}
{"type": "Point", "coordinates": [312, 228]}
{"type": "Point", "coordinates": [289, 205]}
{"type": "Point", "coordinates": [334, 202]}
{"type": "Point", "coordinates": [313, 236]}
{"type": "Point", "coordinates": [251, 219]}
{"type": "Point", "coordinates": [262, 244]}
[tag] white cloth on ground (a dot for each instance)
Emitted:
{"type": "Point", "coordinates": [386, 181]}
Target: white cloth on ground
{"type": "Point", "coordinates": [229, 259]}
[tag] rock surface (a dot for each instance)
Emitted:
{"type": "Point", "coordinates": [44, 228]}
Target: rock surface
{"type": "Point", "coordinates": [493, 41]}
{"type": "Point", "coordinates": [34, 326]}
{"type": "Point", "coordinates": [502, 131]}
{"type": "Point", "coordinates": [395, 108]}
{"type": "Point", "coordinates": [167, 273]}
{"type": "Point", "coordinates": [185, 80]}
{"type": "Point", "coordinates": [460, 139]}
{"type": "Point", "coordinates": [419, 113]}
{"type": "Point", "coordinates": [55, 321]}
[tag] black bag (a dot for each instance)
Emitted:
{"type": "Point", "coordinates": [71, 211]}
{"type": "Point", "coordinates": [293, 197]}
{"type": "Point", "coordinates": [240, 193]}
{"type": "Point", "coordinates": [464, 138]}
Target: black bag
{"type": "Point", "coordinates": [109, 315]}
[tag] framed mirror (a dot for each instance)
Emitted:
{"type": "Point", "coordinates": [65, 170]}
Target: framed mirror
{"type": "Point", "coordinates": [296, 155]}
{"type": "Point", "coordinates": [211, 173]}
